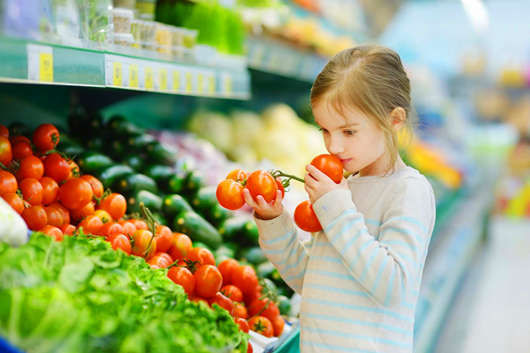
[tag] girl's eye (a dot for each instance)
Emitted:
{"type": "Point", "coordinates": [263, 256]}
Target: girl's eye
{"type": "Point", "coordinates": [349, 132]}
{"type": "Point", "coordinates": [322, 130]}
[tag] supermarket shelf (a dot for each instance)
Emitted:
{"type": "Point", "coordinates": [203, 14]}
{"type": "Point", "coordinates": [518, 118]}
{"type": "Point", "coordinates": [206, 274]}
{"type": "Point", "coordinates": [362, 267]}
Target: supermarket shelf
{"type": "Point", "coordinates": [281, 59]}
{"type": "Point", "coordinates": [42, 63]}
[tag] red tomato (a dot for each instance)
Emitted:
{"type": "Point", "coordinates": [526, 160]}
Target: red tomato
{"type": "Point", "coordinates": [183, 277]}
{"type": "Point", "coordinates": [160, 259]}
{"type": "Point", "coordinates": [21, 149]}
{"type": "Point", "coordinates": [8, 183]}
{"type": "Point", "coordinates": [55, 216]}
{"type": "Point", "coordinates": [31, 191]}
{"type": "Point", "coordinates": [243, 324]}
{"type": "Point", "coordinates": [46, 137]}
{"type": "Point", "coordinates": [50, 190]}
{"type": "Point", "coordinates": [278, 324]}
{"type": "Point", "coordinates": [264, 307]}
{"type": "Point", "coordinates": [14, 201]}
{"type": "Point", "coordinates": [30, 167]}
{"type": "Point", "coordinates": [329, 165]}
{"type": "Point", "coordinates": [232, 292]}
{"type": "Point", "coordinates": [110, 229]}
{"type": "Point", "coordinates": [262, 183]}
{"type": "Point", "coordinates": [6, 152]}
{"type": "Point", "coordinates": [237, 175]}
{"type": "Point", "coordinates": [280, 186]}
{"type": "Point", "coordinates": [230, 194]}
{"type": "Point", "coordinates": [63, 210]}
{"type": "Point", "coordinates": [305, 218]}
{"type": "Point", "coordinates": [68, 229]}
{"type": "Point", "coordinates": [97, 186]}
{"type": "Point", "coordinates": [56, 167]}
{"type": "Point", "coordinates": [245, 278]}
{"type": "Point", "coordinates": [91, 225]}
{"type": "Point", "coordinates": [208, 281]}
{"type": "Point", "coordinates": [85, 211]}
{"type": "Point", "coordinates": [261, 325]}
{"type": "Point", "coordinates": [75, 193]}
{"type": "Point", "coordinates": [227, 268]}
{"type": "Point", "coordinates": [164, 238]}
{"type": "Point", "coordinates": [115, 205]}
{"type": "Point", "coordinates": [202, 255]}
{"type": "Point", "coordinates": [221, 300]}
{"type": "Point", "coordinates": [35, 217]}
{"type": "Point", "coordinates": [128, 227]}
{"type": "Point", "coordinates": [53, 232]}
{"type": "Point", "coordinates": [121, 242]}
{"type": "Point", "coordinates": [249, 297]}
{"type": "Point", "coordinates": [19, 138]}
{"type": "Point", "coordinates": [249, 347]}
{"type": "Point", "coordinates": [140, 224]}
{"type": "Point", "coordinates": [239, 311]}
{"type": "Point", "coordinates": [180, 246]}
{"type": "Point", "coordinates": [4, 131]}
{"type": "Point", "coordinates": [74, 169]}
{"type": "Point", "coordinates": [144, 244]}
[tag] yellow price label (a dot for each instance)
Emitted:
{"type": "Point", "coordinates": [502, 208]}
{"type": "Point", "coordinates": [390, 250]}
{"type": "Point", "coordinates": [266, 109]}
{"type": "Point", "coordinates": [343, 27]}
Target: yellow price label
{"type": "Point", "coordinates": [189, 83]}
{"type": "Point", "coordinates": [200, 82]}
{"type": "Point", "coordinates": [149, 79]}
{"type": "Point", "coordinates": [211, 84]}
{"type": "Point", "coordinates": [228, 85]}
{"type": "Point", "coordinates": [117, 75]}
{"type": "Point", "coordinates": [133, 76]}
{"type": "Point", "coordinates": [46, 67]}
{"type": "Point", "coordinates": [176, 80]}
{"type": "Point", "coordinates": [163, 79]}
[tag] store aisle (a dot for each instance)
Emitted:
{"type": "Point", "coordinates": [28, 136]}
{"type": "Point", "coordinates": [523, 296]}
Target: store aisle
{"type": "Point", "coordinates": [492, 310]}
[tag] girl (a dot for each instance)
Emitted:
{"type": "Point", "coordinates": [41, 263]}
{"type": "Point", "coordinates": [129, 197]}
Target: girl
{"type": "Point", "coordinates": [360, 277]}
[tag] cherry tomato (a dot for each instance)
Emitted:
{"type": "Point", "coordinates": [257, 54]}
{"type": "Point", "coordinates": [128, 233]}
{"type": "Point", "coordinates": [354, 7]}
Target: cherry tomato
{"type": "Point", "coordinates": [31, 191]}
{"type": "Point", "coordinates": [202, 255]}
{"type": "Point", "coordinates": [75, 193]}
{"type": "Point", "coordinates": [208, 281]}
{"type": "Point", "coordinates": [115, 205]}
{"type": "Point", "coordinates": [280, 186]}
{"type": "Point", "coordinates": [6, 152]}
{"type": "Point", "coordinates": [329, 165]}
{"type": "Point", "coordinates": [68, 229]}
{"type": "Point", "coordinates": [221, 300]}
{"type": "Point", "coordinates": [261, 325]}
{"type": "Point", "coordinates": [85, 211]}
{"type": "Point", "coordinates": [144, 244]}
{"type": "Point", "coordinates": [161, 260]}
{"type": "Point", "coordinates": [245, 278]}
{"type": "Point", "coordinates": [46, 137]}
{"type": "Point", "coordinates": [30, 167]}
{"type": "Point", "coordinates": [4, 131]}
{"type": "Point", "coordinates": [230, 194]}
{"type": "Point", "coordinates": [278, 324]}
{"type": "Point", "coordinates": [97, 186]}
{"type": "Point", "coordinates": [121, 242]}
{"type": "Point", "coordinates": [91, 225]}
{"type": "Point", "coordinates": [53, 232]}
{"type": "Point", "coordinates": [139, 224]}
{"type": "Point", "coordinates": [305, 218]}
{"type": "Point", "coordinates": [21, 149]}
{"type": "Point", "coordinates": [164, 238]}
{"type": "Point", "coordinates": [239, 311]}
{"type": "Point", "coordinates": [110, 229]}
{"type": "Point", "coordinates": [14, 201]}
{"type": "Point", "coordinates": [50, 190]}
{"type": "Point", "coordinates": [262, 183]}
{"type": "Point", "coordinates": [232, 291]}
{"type": "Point", "coordinates": [103, 215]}
{"type": "Point", "coordinates": [227, 268]}
{"type": "Point", "coordinates": [264, 307]}
{"type": "Point", "coordinates": [128, 227]}
{"type": "Point", "coordinates": [74, 169]}
{"type": "Point", "coordinates": [55, 216]}
{"type": "Point", "coordinates": [8, 183]}
{"type": "Point", "coordinates": [183, 277]}
{"type": "Point", "coordinates": [19, 138]}
{"type": "Point", "coordinates": [35, 217]}
{"type": "Point", "coordinates": [64, 212]}
{"type": "Point", "coordinates": [56, 167]}
{"type": "Point", "coordinates": [237, 175]}
{"type": "Point", "coordinates": [243, 324]}
{"type": "Point", "coordinates": [256, 293]}
{"type": "Point", "coordinates": [180, 246]}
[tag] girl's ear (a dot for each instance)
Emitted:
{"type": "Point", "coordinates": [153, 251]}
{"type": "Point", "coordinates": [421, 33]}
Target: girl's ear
{"type": "Point", "coordinates": [398, 117]}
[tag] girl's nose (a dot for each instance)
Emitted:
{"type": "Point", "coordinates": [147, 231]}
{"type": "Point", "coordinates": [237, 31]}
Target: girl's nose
{"type": "Point", "coordinates": [335, 146]}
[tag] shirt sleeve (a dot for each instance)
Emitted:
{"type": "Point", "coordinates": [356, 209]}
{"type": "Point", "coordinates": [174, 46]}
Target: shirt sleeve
{"type": "Point", "coordinates": [388, 265]}
{"type": "Point", "coordinates": [279, 241]}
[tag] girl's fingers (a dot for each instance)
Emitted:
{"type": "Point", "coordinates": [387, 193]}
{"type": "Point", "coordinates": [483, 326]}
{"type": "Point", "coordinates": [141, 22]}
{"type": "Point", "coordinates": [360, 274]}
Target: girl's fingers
{"type": "Point", "coordinates": [315, 172]}
{"type": "Point", "coordinates": [309, 181]}
{"type": "Point", "coordinates": [248, 198]}
{"type": "Point", "coordinates": [262, 203]}
{"type": "Point", "coordinates": [278, 200]}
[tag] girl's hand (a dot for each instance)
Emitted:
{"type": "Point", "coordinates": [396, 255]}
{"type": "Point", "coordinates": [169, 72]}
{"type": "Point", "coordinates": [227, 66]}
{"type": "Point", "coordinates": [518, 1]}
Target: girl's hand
{"type": "Point", "coordinates": [263, 209]}
{"type": "Point", "coordinates": [317, 183]}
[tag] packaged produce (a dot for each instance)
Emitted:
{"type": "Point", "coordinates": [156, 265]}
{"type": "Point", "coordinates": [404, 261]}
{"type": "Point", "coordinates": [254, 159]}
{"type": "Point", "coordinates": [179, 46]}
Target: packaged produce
{"type": "Point", "coordinates": [146, 9]}
{"type": "Point", "coordinates": [123, 39]}
{"type": "Point", "coordinates": [97, 23]}
{"type": "Point", "coordinates": [163, 38]}
{"type": "Point", "coordinates": [127, 4]}
{"type": "Point", "coordinates": [143, 33]}
{"type": "Point", "coordinates": [189, 37]}
{"type": "Point", "coordinates": [121, 20]}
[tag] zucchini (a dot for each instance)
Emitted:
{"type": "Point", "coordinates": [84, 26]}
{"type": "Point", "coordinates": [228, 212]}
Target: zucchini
{"type": "Point", "coordinates": [111, 175]}
{"type": "Point", "coordinates": [197, 228]}
{"type": "Point", "coordinates": [161, 174]}
{"type": "Point", "coordinates": [93, 162]}
{"type": "Point", "coordinates": [135, 182]}
{"type": "Point", "coordinates": [174, 204]}
{"type": "Point", "coordinates": [240, 229]}
{"type": "Point", "coordinates": [151, 201]}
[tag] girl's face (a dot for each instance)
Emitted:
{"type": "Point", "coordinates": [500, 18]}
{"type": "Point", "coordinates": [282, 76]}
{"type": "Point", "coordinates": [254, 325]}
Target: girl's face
{"type": "Point", "coordinates": [354, 138]}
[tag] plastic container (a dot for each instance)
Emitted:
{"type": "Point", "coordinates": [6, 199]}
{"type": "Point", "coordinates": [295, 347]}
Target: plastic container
{"type": "Point", "coordinates": [121, 19]}
{"type": "Point", "coordinates": [163, 39]}
{"type": "Point", "coordinates": [146, 9]}
{"type": "Point", "coordinates": [126, 4]}
{"type": "Point", "coordinates": [189, 37]}
{"type": "Point", "coordinates": [123, 39]}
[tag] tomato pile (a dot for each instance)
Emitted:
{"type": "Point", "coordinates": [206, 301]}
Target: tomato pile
{"type": "Point", "coordinates": [230, 190]}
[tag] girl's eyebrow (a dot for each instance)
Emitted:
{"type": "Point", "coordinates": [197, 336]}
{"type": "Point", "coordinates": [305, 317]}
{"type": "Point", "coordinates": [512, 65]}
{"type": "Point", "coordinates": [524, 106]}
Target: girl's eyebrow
{"type": "Point", "coordinates": [348, 125]}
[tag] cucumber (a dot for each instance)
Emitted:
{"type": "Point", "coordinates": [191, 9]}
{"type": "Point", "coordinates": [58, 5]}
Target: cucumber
{"type": "Point", "coordinates": [192, 183]}
{"type": "Point", "coordinates": [284, 305]}
{"type": "Point", "coordinates": [159, 153]}
{"type": "Point", "coordinates": [198, 244]}
{"type": "Point", "coordinates": [93, 162]}
{"type": "Point", "coordinates": [139, 143]}
{"type": "Point", "coordinates": [121, 128]}
{"type": "Point", "coordinates": [159, 218]}
{"type": "Point", "coordinates": [150, 200]}
{"type": "Point", "coordinates": [72, 151]}
{"type": "Point", "coordinates": [254, 255]}
{"type": "Point", "coordinates": [222, 253]}
{"type": "Point", "coordinates": [173, 205]}
{"type": "Point", "coordinates": [197, 228]}
{"type": "Point", "coordinates": [111, 175]}
{"type": "Point", "coordinates": [133, 183]}
{"type": "Point", "coordinates": [205, 202]}
{"type": "Point", "coordinates": [176, 184]}
{"type": "Point", "coordinates": [240, 229]}
{"type": "Point", "coordinates": [135, 162]}
{"type": "Point", "coordinates": [95, 144]}
{"type": "Point", "coordinates": [161, 174]}
{"type": "Point", "coordinates": [265, 270]}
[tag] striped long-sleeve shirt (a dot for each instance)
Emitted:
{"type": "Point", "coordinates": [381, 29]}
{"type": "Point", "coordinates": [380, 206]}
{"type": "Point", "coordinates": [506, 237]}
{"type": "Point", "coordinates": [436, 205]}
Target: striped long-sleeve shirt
{"type": "Point", "coordinates": [360, 277]}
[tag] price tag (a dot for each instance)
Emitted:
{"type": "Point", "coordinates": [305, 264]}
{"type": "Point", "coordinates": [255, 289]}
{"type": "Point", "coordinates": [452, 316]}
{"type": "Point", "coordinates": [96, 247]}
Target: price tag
{"type": "Point", "coordinates": [189, 82]}
{"type": "Point", "coordinates": [149, 79]}
{"type": "Point", "coordinates": [211, 84]}
{"type": "Point", "coordinates": [163, 79]}
{"type": "Point", "coordinates": [200, 82]}
{"type": "Point", "coordinates": [46, 67]}
{"type": "Point", "coordinates": [133, 76]}
{"type": "Point", "coordinates": [176, 80]}
{"type": "Point", "coordinates": [40, 63]}
{"type": "Point", "coordinates": [117, 74]}
{"type": "Point", "coordinates": [227, 85]}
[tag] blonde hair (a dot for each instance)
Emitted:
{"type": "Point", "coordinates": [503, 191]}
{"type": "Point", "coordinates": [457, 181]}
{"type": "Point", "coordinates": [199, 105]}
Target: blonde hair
{"type": "Point", "coordinates": [372, 79]}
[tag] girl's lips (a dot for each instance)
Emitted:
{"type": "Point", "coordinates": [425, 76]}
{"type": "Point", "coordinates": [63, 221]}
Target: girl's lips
{"type": "Point", "coordinates": [344, 161]}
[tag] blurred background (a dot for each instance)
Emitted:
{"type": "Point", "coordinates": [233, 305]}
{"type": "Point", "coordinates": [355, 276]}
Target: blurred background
{"type": "Point", "coordinates": [225, 84]}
